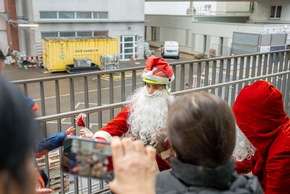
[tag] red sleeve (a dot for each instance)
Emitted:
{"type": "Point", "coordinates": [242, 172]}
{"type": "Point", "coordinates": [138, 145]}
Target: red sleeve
{"type": "Point", "coordinates": [243, 167]}
{"type": "Point", "coordinates": [117, 126]}
{"type": "Point", "coordinates": [278, 166]}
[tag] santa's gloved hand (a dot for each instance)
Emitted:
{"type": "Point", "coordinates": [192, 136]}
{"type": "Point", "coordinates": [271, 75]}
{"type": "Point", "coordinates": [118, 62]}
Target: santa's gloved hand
{"type": "Point", "coordinates": [70, 130]}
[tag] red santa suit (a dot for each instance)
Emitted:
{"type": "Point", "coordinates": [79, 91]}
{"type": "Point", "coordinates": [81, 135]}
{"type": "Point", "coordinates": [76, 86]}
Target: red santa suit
{"type": "Point", "coordinates": [260, 115]}
{"type": "Point", "coordinates": [157, 72]}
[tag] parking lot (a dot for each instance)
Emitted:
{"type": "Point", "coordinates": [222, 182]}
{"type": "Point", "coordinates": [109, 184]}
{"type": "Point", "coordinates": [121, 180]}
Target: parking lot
{"type": "Point", "coordinates": [15, 72]}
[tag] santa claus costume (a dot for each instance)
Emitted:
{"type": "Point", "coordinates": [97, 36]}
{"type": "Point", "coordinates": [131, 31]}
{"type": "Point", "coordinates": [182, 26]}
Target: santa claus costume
{"type": "Point", "coordinates": [145, 117]}
{"type": "Point", "coordinates": [264, 146]}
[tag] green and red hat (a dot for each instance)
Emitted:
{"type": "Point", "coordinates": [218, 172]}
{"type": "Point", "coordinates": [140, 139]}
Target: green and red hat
{"type": "Point", "coordinates": [157, 71]}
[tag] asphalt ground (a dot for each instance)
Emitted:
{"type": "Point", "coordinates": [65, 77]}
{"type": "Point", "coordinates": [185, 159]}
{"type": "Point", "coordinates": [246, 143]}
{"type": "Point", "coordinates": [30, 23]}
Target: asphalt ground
{"type": "Point", "coordinates": [15, 72]}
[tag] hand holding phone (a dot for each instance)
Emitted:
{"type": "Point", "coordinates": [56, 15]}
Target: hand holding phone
{"type": "Point", "coordinates": [88, 158]}
{"type": "Point", "coordinates": [135, 167]}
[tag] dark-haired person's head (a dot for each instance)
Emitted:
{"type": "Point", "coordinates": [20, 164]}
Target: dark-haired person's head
{"type": "Point", "coordinates": [201, 129]}
{"type": "Point", "coordinates": [17, 132]}
{"type": "Point", "coordinates": [2, 59]}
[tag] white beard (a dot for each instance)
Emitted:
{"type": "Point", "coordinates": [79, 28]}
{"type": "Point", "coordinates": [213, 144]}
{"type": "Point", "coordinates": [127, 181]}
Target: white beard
{"type": "Point", "coordinates": [243, 149]}
{"type": "Point", "coordinates": [148, 114]}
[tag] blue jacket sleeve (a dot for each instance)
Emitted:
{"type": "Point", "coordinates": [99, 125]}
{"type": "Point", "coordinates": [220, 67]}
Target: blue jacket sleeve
{"type": "Point", "coordinates": [49, 143]}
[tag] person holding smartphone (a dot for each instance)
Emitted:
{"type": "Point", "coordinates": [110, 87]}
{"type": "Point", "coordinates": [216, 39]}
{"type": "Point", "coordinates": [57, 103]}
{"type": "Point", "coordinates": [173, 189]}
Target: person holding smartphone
{"type": "Point", "coordinates": [145, 117]}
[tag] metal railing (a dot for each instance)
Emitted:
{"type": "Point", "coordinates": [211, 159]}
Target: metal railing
{"type": "Point", "coordinates": [232, 86]}
{"type": "Point", "coordinates": [103, 94]}
{"type": "Point", "coordinates": [67, 93]}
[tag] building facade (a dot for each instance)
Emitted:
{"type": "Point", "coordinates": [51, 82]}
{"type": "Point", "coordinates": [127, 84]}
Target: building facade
{"type": "Point", "coordinates": [123, 19]}
{"type": "Point", "coordinates": [212, 25]}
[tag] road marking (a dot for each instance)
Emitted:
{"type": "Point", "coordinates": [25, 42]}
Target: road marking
{"type": "Point", "coordinates": [91, 103]}
{"type": "Point", "coordinates": [77, 93]}
{"type": "Point", "coordinates": [106, 77]}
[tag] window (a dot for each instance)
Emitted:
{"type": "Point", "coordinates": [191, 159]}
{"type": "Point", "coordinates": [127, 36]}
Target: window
{"type": "Point", "coordinates": [73, 15]}
{"type": "Point", "coordinates": [128, 47]}
{"type": "Point", "coordinates": [79, 33]}
{"type": "Point", "coordinates": [103, 15]}
{"type": "Point", "coordinates": [63, 34]}
{"type": "Point", "coordinates": [101, 33]}
{"type": "Point", "coordinates": [66, 14]}
{"type": "Point", "coordinates": [127, 39]}
{"type": "Point", "coordinates": [275, 12]}
{"type": "Point", "coordinates": [48, 14]}
{"type": "Point", "coordinates": [49, 34]}
{"type": "Point", "coordinates": [84, 33]}
{"type": "Point", "coordinates": [100, 15]}
{"type": "Point", "coordinates": [207, 7]}
{"type": "Point", "coordinates": [84, 15]}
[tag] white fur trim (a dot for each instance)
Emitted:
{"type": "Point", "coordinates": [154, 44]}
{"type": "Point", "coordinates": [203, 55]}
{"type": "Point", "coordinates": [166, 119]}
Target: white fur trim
{"type": "Point", "coordinates": [103, 134]}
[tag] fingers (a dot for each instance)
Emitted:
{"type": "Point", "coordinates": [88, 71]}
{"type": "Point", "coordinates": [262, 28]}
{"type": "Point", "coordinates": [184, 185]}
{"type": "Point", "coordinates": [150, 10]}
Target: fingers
{"type": "Point", "coordinates": [70, 130]}
{"type": "Point", "coordinates": [113, 185]}
{"type": "Point", "coordinates": [150, 152]}
{"type": "Point", "coordinates": [128, 145]}
{"type": "Point", "coordinates": [43, 191]}
{"type": "Point", "coordinates": [117, 150]}
{"type": "Point", "coordinates": [139, 147]}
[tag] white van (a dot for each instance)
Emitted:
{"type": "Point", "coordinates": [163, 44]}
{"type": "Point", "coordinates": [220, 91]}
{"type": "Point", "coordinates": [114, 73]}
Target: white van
{"type": "Point", "coordinates": [170, 49]}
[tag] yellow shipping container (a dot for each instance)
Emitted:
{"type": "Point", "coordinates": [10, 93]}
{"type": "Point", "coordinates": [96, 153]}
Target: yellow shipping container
{"type": "Point", "coordinates": [59, 52]}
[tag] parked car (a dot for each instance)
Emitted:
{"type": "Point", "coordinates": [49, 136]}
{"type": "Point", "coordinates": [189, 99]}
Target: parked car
{"type": "Point", "coordinates": [170, 49]}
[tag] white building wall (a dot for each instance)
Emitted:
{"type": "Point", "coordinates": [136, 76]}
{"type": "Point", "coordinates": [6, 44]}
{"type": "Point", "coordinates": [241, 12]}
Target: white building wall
{"type": "Point", "coordinates": [179, 8]}
{"type": "Point", "coordinates": [3, 32]}
{"type": "Point", "coordinates": [126, 9]}
{"type": "Point", "coordinates": [125, 18]}
{"type": "Point", "coordinates": [262, 11]}
{"type": "Point", "coordinates": [199, 31]}
{"type": "Point", "coordinates": [68, 5]}
{"type": "Point", "coordinates": [234, 6]}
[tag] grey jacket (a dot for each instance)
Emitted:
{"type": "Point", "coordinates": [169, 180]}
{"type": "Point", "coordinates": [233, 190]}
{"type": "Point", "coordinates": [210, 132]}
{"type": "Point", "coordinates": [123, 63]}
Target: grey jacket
{"type": "Point", "coordinates": [189, 179]}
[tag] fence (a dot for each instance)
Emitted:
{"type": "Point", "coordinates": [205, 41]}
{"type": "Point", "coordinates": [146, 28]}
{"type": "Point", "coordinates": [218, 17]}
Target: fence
{"type": "Point", "coordinates": [102, 98]}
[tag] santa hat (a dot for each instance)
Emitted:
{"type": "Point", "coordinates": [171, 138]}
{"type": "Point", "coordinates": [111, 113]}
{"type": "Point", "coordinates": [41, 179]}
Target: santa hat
{"type": "Point", "coordinates": [157, 71]}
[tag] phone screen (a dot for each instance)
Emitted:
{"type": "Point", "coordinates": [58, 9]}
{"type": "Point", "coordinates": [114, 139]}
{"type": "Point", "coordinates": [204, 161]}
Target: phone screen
{"type": "Point", "coordinates": [88, 158]}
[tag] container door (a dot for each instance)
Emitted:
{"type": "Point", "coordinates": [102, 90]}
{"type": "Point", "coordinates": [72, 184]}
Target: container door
{"type": "Point", "coordinates": [128, 47]}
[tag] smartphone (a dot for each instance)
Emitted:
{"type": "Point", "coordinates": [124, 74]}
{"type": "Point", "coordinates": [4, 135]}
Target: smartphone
{"type": "Point", "coordinates": [87, 158]}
